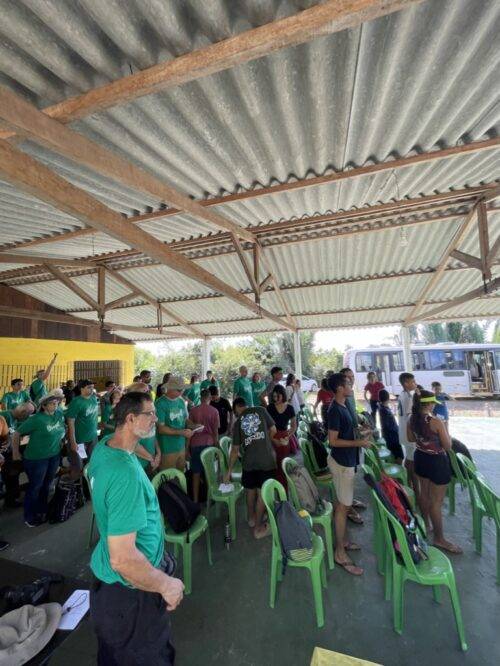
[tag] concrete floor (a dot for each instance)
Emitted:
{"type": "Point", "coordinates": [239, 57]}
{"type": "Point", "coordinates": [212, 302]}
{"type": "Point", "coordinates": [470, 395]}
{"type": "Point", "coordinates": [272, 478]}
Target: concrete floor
{"type": "Point", "coordinates": [227, 621]}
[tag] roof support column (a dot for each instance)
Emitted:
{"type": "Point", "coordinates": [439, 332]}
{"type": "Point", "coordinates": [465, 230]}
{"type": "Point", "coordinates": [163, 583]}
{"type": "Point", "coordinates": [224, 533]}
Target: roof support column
{"type": "Point", "coordinates": [297, 355]}
{"type": "Point", "coordinates": [405, 340]}
{"type": "Point", "coordinates": [205, 356]}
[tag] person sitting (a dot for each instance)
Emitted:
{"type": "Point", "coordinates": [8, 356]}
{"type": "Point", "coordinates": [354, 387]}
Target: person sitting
{"type": "Point", "coordinates": [431, 463]}
{"type": "Point", "coordinates": [283, 415]}
{"type": "Point", "coordinates": [253, 433]}
{"type": "Point", "coordinates": [207, 416]}
{"type": "Point", "coordinates": [42, 455]}
{"type": "Point", "coordinates": [11, 469]}
{"type": "Point", "coordinates": [390, 429]}
{"type": "Point", "coordinates": [372, 389]}
{"type": "Point", "coordinates": [224, 408]}
{"type": "Point", "coordinates": [16, 396]}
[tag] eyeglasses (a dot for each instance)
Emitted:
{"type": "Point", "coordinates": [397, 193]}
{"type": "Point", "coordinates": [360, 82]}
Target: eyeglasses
{"type": "Point", "coordinates": [151, 413]}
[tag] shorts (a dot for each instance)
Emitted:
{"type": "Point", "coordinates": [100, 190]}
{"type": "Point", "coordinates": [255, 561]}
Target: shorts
{"type": "Point", "coordinates": [343, 481]}
{"type": "Point", "coordinates": [195, 461]}
{"type": "Point", "coordinates": [410, 448]}
{"type": "Point", "coordinates": [435, 467]}
{"type": "Point", "coordinates": [173, 444]}
{"type": "Point", "coordinates": [255, 478]}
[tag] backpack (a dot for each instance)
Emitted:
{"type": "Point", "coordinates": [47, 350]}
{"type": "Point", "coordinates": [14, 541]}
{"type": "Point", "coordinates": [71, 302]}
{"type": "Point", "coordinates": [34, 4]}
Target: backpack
{"type": "Point", "coordinates": [307, 490]}
{"type": "Point", "coordinates": [178, 509]}
{"type": "Point", "coordinates": [393, 496]}
{"type": "Point", "coordinates": [68, 498]}
{"type": "Point", "coordinates": [318, 436]}
{"type": "Point", "coordinates": [295, 533]}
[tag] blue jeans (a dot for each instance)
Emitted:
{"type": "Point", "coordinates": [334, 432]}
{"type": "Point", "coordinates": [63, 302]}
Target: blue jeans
{"type": "Point", "coordinates": [40, 474]}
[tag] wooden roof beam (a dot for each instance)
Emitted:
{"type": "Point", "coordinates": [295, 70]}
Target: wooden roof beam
{"type": "Point", "coordinates": [118, 302]}
{"type": "Point", "coordinates": [59, 275]}
{"type": "Point", "coordinates": [31, 176]}
{"type": "Point", "coordinates": [7, 258]}
{"type": "Point", "coordinates": [322, 19]}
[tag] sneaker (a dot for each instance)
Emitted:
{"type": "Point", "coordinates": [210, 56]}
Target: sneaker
{"type": "Point", "coordinates": [32, 523]}
{"type": "Point", "coordinates": [4, 545]}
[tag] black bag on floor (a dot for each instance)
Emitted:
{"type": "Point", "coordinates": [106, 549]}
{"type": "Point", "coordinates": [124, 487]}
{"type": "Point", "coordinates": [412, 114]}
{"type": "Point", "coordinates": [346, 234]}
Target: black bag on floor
{"type": "Point", "coordinates": [178, 509]}
{"type": "Point", "coordinates": [318, 436]}
{"type": "Point", "coordinates": [68, 498]}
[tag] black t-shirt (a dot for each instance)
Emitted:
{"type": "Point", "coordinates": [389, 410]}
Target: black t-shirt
{"type": "Point", "coordinates": [251, 434]}
{"type": "Point", "coordinates": [282, 421]}
{"type": "Point", "coordinates": [390, 429]}
{"type": "Point", "coordinates": [339, 419]}
{"type": "Point", "coordinates": [224, 408]}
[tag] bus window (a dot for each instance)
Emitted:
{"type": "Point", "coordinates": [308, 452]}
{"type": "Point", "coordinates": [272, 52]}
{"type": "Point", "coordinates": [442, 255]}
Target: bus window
{"type": "Point", "coordinates": [436, 360]}
{"type": "Point", "coordinates": [364, 362]}
{"type": "Point", "coordinates": [455, 360]}
{"type": "Point", "coordinates": [397, 362]}
{"type": "Point", "coordinates": [419, 360]}
{"type": "Point", "coordinates": [497, 359]}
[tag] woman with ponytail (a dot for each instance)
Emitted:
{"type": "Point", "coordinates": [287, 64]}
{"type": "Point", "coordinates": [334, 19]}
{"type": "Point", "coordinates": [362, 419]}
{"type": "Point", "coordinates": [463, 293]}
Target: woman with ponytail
{"type": "Point", "coordinates": [432, 465]}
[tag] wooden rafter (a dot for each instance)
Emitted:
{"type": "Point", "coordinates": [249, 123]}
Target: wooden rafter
{"type": "Point", "coordinates": [244, 262]}
{"type": "Point", "coordinates": [484, 243]}
{"type": "Point", "coordinates": [33, 177]}
{"type": "Point", "coordinates": [68, 282]}
{"type": "Point", "coordinates": [6, 258]}
{"type": "Point", "coordinates": [490, 288]}
{"type": "Point", "coordinates": [467, 259]}
{"type": "Point", "coordinates": [118, 302]}
{"type": "Point", "coordinates": [322, 19]}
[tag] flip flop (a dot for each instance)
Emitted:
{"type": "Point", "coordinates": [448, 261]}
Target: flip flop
{"type": "Point", "coordinates": [350, 567]}
{"type": "Point", "coordinates": [350, 545]}
{"type": "Point", "coordinates": [251, 523]}
{"type": "Point", "coordinates": [355, 518]}
{"type": "Point", "coordinates": [452, 548]}
{"type": "Point", "coordinates": [264, 533]}
{"type": "Point", "coordinates": [358, 504]}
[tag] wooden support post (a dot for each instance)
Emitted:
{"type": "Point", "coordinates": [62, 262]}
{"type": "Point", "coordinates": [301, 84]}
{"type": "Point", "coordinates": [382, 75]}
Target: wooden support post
{"type": "Point", "coordinates": [101, 290]}
{"type": "Point", "coordinates": [484, 243]}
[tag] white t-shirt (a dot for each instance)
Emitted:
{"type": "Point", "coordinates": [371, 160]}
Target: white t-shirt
{"type": "Point", "coordinates": [405, 402]}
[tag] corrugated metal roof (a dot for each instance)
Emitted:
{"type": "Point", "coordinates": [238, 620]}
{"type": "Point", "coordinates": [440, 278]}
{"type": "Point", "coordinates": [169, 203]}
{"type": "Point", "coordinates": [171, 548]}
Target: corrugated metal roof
{"type": "Point", "coordinates": [417, 80]}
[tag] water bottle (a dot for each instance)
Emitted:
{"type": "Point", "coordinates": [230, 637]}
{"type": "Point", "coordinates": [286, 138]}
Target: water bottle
{"type": "Point", "coordinates": [227, 535]}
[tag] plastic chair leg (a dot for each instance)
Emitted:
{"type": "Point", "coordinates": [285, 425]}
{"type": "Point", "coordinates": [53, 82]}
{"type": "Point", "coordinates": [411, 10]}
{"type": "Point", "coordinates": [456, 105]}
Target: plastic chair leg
{"type": "Point", "coordinates": [436, 591]}
{"type": "Point", "coordinates": [91, 533]}
{"type": "Point", "coordinates": [275, 563]}
{"type": "Point", "coordinates": [176, 550]}
{"type": "Point", "coordinates": [232, 517]}
{"type": "Point", "coordinates": [317, 593]}
{"type": "Point", "coordinates": [479, 534]}
{"type": "Point", "coordinates": [388, 578]}
{"type": "Point", "coordinates": [323, 573]}
{"type": "Point", "coordinates": [398, 599]}
{"type": "Point", "coordinates": [498, 554]}
{"type": "Point", "coordinates": [455, 602]}
{"type": "Point", "coordinates": [327, 527]}
{"type": "Point", "coordinates": [209, 545]}
{"type": "Point", "coordinates": [186, 566]}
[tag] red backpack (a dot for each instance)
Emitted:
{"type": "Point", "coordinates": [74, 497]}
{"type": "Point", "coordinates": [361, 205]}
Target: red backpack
{"type": "Point", "coordinates": [397, 496]}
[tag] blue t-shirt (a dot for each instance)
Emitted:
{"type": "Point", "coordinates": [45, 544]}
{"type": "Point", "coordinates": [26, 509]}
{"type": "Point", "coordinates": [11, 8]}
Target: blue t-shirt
{"type": "Point", "coordinates": [441, 410]}
{"type": "Point", "coordinates": [340, 420]}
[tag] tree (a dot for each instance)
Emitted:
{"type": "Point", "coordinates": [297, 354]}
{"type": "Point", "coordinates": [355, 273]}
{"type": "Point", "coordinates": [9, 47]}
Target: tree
{"type": "Point", "coordinates": [323, 360]}
{"type": "Point", "coordinates": [453, 331]}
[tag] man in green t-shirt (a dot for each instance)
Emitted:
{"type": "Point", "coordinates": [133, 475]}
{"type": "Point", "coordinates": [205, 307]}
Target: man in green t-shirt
{"type": "Point", "coordinates": [38, 387]}
{"type": "Point", "coordinates": [82, 417]}
{"type": "Point", "coordinates": [253, 433]}
{"type": "Point", "coordinates": [173, 424]}
{"type": "Point", "coordinates": [242, 387]}
{"type": "Point", "coordinates": [11, 469]}
{"type": "Point", "coordinates": [133, 590]}
{"type": "Point", "coordinates": [192, 392]}
{"type": "Point", "coordinates": [16, 396]}
{"type": "Point", "coordinates": [209, 381]}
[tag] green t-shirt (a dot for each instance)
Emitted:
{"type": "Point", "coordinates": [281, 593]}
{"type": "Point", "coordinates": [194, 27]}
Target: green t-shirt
{"type": "Point", "coordinates": [12, 399]}
{"type": "Point", "coordinates": [123, 501]}
{"type": "Point", "coordinates": [242, 388]}
{"type": "Point", "coordinates": [46, 432]}
{"type": "Point", "coordinates": [207, 383]}
{"type": "Point", "coordinates": [39, 389]}
{"type": "Point", "coordinates": [149, 443]}
{"type": "Point", "coordinates": [193, 393]}
{"type": "Point", "coordinates": [85, 411]}
{"type": "Point", "coordinates": [172, 413]}
{"type": "Point", "coordinates": [257, 389]}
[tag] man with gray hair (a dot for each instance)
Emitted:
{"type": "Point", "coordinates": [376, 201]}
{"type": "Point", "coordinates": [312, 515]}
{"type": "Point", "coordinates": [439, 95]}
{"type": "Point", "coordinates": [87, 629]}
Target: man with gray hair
{"type": "Point", "coordinates": [242, 387]}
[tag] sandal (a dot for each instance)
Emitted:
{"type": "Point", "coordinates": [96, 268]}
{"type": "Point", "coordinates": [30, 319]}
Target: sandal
{"type": "Point", "coordinates": [350, 567]}
{"type": "Point", "coordinates": [261, 534]}
{"type": "Point", "coordinates": [358, 504]}
{"type": "Point", "coordinates": [355, 518]}
{"type": "Point", "coordinates": [350, 545]}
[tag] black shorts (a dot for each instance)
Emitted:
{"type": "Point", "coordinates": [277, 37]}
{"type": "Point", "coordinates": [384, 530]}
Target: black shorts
{"type": "Point", "coordinates": [255, 478]}
{"type": "Point", "coordinates": [436, 467]}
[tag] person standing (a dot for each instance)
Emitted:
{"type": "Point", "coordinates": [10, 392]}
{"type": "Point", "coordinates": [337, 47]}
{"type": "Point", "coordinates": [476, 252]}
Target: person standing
{"type": "Point", "coordinates": [173, 430]}
{"type": "Point", "coordinates": [69, 391]}
{"type": "Point", "coordinates": [372, 389]}
{"type": "Point", "coordinates": [132, 589]}
{"type": "Point", "coordinates": [242, 387]}
{"type": "Point", "coordinates": [82, 417]}
{"type": "Point", "coordinates": [253, 432]}
{"type": "Point", "coordinates": [224, 409]}
{"type": "Point", "coordinates": [145, 378]}
{"type": "Point", "coordinates": [16, 396]}
{"type": "Point", "coordinates": [441, 408]}
{"type": "Point", "coordinates": [276, 377]}
{"type": "Point", "coordinates": [291, 393]}
{"type": "Point", "coordinates": [405, 404]}
{"type": "Point", "coordinates": [11, 469]}
{"type": "Point", "coordinates": [109, 386]}
{"type": "Point", "coordinates": [342, 462]}
{"type": "Point", "coordinates": [389, 426]}
{"type": "Point", "coordinates": [208, 417]}
{"type": "Point", "coordinates": [159, 388]}
{"type": "Point", "coordinates": [258, 386]}
{"type": "Point", "coordinates": [192, 393]}
{"type": "Point", "coordinates": [283, 415]}
{"type": "Point", "coordinates": [41, 457]}
{"type": "Point", "coordinates": [209, 381]}
{"type": "Point", "coordinates": [324, 398]}
{"type": "Point", "coordinates": [107, 412]}
{"type": "Point", "coordinates": [38, 387]}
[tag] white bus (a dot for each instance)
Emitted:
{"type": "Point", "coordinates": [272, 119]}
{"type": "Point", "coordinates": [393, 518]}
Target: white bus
{"type": "Point", "coordinates": [462, 369]}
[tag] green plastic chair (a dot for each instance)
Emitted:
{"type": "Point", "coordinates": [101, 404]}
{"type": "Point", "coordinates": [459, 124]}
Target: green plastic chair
{"type": "Point", "coordinates": [322, 478]}
{"type": "Point", "coordinates": [378, 537]}
{"type": "Point", "coordinates": [93, 525]}
{"type": "Point", "coordinates": [434, 572]}
{"type": "Point", "coordinates": [323, 519]}
{"type": "Point", "coordinates": [183, 539]}
{"type": "Point", "coordinates": [225, 447]}
{"type": "Point", "coordinates": [389, 469]}
{"type": "Point", "coordinates": [458, 478]}
{"type": "Point", "coordinates": [215, 468]}
{"type": "Point", "coordinates": [479, 510]}
{"type": "Point", "coordinates": [272, 490]}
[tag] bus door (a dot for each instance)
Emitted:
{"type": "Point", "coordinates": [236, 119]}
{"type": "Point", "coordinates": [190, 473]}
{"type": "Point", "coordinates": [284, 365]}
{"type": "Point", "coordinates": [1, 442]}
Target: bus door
{"type": "Point", "coordinates": [496, 370]}
{"type": "Point", "coordinates": [382, 366]}
{"type": "Point", "coordinates": [480, 367]}
{"type": "Point", "coordinates": [490, 374]}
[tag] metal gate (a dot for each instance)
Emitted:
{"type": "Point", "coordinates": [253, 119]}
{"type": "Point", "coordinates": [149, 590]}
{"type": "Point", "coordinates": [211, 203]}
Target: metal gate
{"type": "Point", "coordinates": [98, 371]}
{"type": "Point", "coordinates": [60, 373]}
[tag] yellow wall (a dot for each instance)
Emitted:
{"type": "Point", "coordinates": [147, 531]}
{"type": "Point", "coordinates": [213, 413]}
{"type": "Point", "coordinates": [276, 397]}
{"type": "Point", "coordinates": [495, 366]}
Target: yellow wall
{"type": "Point", "coordinates": [34, 352]}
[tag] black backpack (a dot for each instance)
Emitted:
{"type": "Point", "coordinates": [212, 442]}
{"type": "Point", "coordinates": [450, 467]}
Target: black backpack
{"type": "Point", "coordinates": [295, 533]}
{"type": "Point", "coordinates": [68, 498]}
{"type": "Point", "coordinates": [318, 436]}
{"type": "Point", "coordinates": [178, 509]}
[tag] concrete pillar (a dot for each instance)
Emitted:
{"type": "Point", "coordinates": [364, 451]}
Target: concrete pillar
{"type": "Point", "coordinates": [405, 339]}
{"type": "Point", "coordinates": [205, 356]}
{"type": "Point", "coordinates": [297, 355]}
